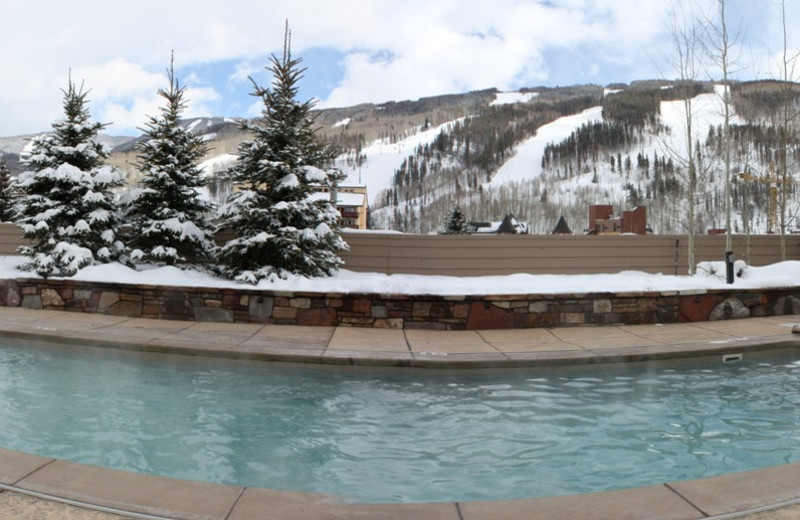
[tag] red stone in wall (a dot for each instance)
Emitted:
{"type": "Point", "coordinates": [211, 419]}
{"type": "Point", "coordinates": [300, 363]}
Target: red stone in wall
{"type": "Point", "coordinates": [484, 316]}
{"type": "Point", "coordinates": [317, 317]}
{"type": "Point", "coordinates": [697, 307]}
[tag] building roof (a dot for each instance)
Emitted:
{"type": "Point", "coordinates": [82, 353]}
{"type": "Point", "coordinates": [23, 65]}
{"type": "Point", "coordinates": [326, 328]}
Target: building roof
{"type": "Point", "coordinates": [508, 225]}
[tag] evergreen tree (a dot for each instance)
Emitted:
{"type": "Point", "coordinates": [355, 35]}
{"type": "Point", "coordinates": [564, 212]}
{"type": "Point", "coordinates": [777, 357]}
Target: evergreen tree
{"type": "Point", "coordinates": [279, 229]}
{"type": "Point", "coordinates": [169, 220]}
{"type": "Point", "coordinates": [8, 211]}
{"type": "Point", "coordinates": [67, 209]}
{"type": "Point", "coordinates": [457, 223]}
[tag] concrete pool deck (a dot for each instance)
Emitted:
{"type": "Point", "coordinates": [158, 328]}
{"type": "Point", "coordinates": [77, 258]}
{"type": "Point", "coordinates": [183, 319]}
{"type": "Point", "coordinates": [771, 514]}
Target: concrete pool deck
{"type": "Point", "coordinates": [30, 483]}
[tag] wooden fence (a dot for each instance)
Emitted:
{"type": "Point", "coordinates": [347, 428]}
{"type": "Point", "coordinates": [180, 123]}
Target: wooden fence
{"type": "Point", "coordinates": [476, 255]}
{"type": "Point", "coordinates": [10, 239]}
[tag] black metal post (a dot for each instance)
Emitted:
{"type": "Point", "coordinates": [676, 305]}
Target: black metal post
{"type": "Point", "coordinates": [729, 266]}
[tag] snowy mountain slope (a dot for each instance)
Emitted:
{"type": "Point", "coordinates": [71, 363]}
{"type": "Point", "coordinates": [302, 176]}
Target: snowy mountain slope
{"type": "Point", "coordinates": [707, 110]}
{"type": "Point", "coordinates": [487, 151]}
{"type": "Point", "coordinates": [210, 128]}
{"type": "Point", "coordinates": [647, 168]}
{"type": "Point", "coordinates": [427, 117]}
{"type": "Point", "coordinates": [550, 192]}
{"type": "Point", "coordinates": [12, 147]}
{"type": "Point", "coordinates": [426, 171]}
{"type": "Point", "coordinates": [383, 157]}
{"type": "Point", "coordinates": [17, 144]}
{"type": "Point", "coordinates": [526, 163]}
{"type": "Point", "coordinates": [598, 183]}
{"type": "Point", "coordinates": [505, 98]}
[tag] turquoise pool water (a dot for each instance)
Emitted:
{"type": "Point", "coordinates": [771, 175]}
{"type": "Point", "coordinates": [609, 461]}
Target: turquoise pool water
{"type": "Point", "coordinates": [393, 437]}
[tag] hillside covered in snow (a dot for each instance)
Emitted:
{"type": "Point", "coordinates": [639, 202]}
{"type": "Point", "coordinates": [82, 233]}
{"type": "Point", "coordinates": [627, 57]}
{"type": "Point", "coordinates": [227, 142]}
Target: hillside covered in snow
{"type": "Point", "coordinates": [626, 148]}
{"type": "Point", "coordinates": [538, 154]}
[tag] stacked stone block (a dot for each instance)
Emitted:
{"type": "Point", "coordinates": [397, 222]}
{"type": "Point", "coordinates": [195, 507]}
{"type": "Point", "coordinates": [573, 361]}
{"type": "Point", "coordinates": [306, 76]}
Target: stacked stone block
{"type": "Point", "coordinates": [469, 312]}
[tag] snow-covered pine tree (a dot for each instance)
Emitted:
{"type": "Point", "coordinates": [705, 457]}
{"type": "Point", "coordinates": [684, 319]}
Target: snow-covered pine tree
{"type": "Point", "coordinates": [278, 229]}
{"type": "Point", "coordinates": [170, 224]}
{"type": "Point", "coordinates": [67, 208]}
{"type": "Point", "coordinates": [457, 223]}
{"type": "Point", "coordinates": [8, 202]}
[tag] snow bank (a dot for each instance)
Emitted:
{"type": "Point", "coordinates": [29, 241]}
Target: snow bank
{"type": "Point", "coordinates": [783, 274]}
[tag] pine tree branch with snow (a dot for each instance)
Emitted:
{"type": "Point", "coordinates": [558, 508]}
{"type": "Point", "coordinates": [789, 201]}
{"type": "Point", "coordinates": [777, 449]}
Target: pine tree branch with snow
{"type": "Point", "coordinates": [170, 222]}
{"type": "Point", "coordinates": [8, 196]}
{"type": "Point", "coordinates": [68, 210]}
{"type": "Point", "coordinates": [278, 230]}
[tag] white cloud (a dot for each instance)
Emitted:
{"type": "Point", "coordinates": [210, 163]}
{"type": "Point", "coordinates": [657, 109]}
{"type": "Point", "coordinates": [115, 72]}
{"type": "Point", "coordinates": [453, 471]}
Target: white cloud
{"type": "Point", "coordinates": [123, 94]}
{"type": "Point", "coordinates": [447, 48]}
{"type": "Point", "coordinates": [117, 79]}
{"type": "Point", "coordinates": [197, 99]}
{"type": "Point", "coordinates": [243, 71]}
{"type": "Point", "coordinates": [123, 118]}
{"type": "Point", "coordinates": [254, 109]}
{"type": "Point", "coordinates": [394, 50]}
{"type": "Point", "coordinates": [192, 79]}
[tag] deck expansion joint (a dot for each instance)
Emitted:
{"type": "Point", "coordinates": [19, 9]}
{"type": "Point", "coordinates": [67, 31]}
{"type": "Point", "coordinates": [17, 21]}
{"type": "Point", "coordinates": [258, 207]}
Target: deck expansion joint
{"type": "Point", "coordinates": [458, 510]}
{"type": "Point", "coordinates": [682, 497]}
{"type": "Point", "coordinates": [34, 471]}
{"type": "Point", "coordinates": [235, 502]}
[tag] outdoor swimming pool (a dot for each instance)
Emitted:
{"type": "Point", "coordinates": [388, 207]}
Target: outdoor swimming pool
{"type": "Point", "coordinates": [400, 436]}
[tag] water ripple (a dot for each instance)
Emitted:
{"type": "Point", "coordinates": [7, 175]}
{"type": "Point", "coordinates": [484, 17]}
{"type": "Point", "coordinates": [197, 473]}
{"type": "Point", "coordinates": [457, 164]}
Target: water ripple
{"type": "Point", "coordinates": [399, 437]}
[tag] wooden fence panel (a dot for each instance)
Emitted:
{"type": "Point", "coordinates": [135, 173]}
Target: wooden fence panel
{"type": "Point", "coordinates": [474, 255]}
{"type": "Point", "coordinates": [482, 255]}
{"type": "Point", "coordinates": [10, 238]}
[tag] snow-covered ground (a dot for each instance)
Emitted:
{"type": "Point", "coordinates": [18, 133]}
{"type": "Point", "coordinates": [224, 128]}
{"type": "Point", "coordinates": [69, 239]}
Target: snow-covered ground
{"type": "Point", "coordinates": [707, 110]}
{"type": "Point", "coordinates": [784, 274]}
{"type": "Point", "coordinates": [508, 98]}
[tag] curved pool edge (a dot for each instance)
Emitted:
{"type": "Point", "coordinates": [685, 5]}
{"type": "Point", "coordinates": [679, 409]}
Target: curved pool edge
{"type": "Point", "coordinates": [448, 350]}
{"type": "Point", "coordinates": [177, 499]}
{"type": "Point", "coordinates": [449, 361]}
{"type": "Point", "coordinates": [129, 493]}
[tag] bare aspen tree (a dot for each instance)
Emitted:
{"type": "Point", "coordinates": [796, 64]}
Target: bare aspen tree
{"type": "Point", "coordinates": [719, 46]}
{"type": "Point", "coordinates": [685, 57]}
{"type": "Point", "coordinates": [786, 131]}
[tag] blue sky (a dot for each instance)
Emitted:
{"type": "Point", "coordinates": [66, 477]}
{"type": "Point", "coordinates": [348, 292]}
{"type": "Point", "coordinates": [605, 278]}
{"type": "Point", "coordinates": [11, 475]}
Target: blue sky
{"type": "Point", "coordinates": [356, 51]}
{"type": "Point", "coordinates": [323, 72]}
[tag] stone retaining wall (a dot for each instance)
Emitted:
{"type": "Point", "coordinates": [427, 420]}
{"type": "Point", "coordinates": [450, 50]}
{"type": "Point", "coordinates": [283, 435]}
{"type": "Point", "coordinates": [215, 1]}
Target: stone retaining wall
{"type": "Point", "coordinates": [397, 311]}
